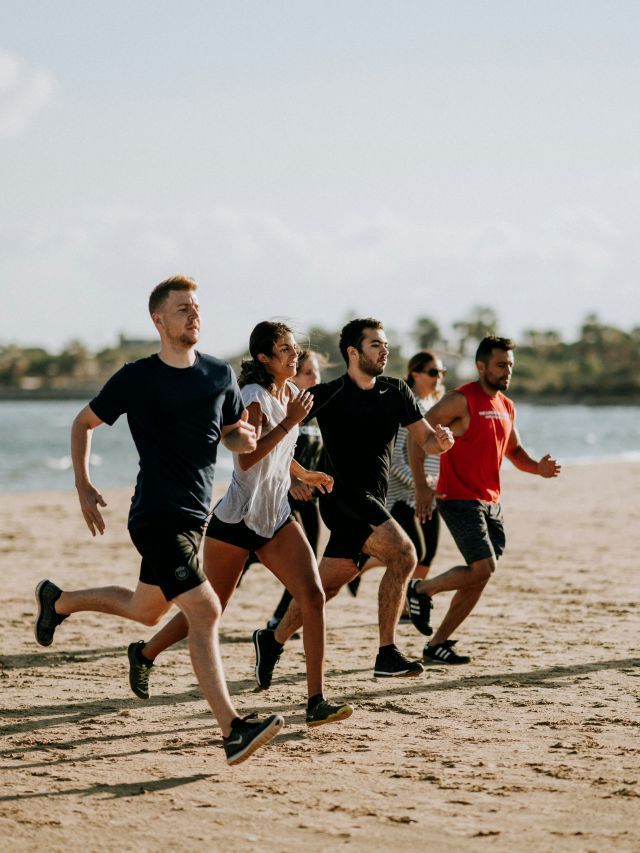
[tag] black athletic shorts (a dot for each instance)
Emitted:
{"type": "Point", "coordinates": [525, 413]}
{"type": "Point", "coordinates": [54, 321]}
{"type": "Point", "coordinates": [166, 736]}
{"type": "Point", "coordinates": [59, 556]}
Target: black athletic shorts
{"type": "Point", "coordinates": [351, 520]}
{"type": "Point", "coordinates": [239, 534]}
{"type": "Point", "coordinates": [169, 550]}
{"type": "Point", "coordinates": [423, 534]}
{"type": "Point", "coordinates": [477, 528]}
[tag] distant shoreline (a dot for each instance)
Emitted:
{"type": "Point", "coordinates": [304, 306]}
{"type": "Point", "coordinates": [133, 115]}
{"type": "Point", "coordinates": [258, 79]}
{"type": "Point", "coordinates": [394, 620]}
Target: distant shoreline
{"type": "Point", "coordinates": [84, 394]}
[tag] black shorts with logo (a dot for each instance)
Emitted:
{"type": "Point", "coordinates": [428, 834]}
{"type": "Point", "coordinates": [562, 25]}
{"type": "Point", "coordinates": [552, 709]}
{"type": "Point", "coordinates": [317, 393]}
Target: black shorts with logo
{"type": "Point", "coordinates": [351, 519]}
{"type": "Point", "coordinates": [169, 550]}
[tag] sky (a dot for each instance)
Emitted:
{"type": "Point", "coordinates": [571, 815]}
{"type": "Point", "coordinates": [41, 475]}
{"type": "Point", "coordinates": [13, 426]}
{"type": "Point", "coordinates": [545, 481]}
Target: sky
{"type": "Point", "coordinates": [317, 161]}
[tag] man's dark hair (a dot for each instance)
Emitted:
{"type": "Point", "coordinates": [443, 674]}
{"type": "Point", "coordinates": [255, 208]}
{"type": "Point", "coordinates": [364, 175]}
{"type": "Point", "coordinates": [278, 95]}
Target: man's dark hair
{"type": "Point", "coordinates": [353, 334]}
{"type": "Point", "coordinates": [162, 290]}
{"type": "Point", "coordinates": [491, 342]}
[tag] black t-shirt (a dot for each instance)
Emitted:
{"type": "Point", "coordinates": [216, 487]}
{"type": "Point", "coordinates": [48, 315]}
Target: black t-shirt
{"type": "Point", "coordinates": [308, 450]}
{"type": "Point", "coordinates": [175, 416]}
{"type": "Point", "coordinates": [359, 429]}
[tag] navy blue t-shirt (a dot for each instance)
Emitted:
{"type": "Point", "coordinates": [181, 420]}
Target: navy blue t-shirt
{"type": "Point", "coordinates": [175, 416]}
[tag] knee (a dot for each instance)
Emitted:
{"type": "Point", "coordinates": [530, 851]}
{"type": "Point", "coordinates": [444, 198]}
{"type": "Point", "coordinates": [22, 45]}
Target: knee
{"type": "Point", "coordinates": [313, 597]}
{"type": "Point", "coordinates": [405, 559]}
{"type": "Point", "coordinates": [151, 618]}
{"type": "Point", "coordinates": [483, 569]}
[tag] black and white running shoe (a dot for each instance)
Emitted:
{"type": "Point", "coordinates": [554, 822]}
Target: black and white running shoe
{"type": "Point", "coordinates": [443, 653]}
{"type": "Point", "coordinates": [248, 734]}
{"type": "Point", "coordinates": [268, 651]}
{"type": "Point", "coordinates": [419, 605]}
{"type": "Point", "coordinates": [391, 663]}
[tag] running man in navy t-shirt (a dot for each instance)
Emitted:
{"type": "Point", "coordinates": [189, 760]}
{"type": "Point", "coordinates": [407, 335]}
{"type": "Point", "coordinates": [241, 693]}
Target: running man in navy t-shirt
{"type": "Point", "coordinates": [179, 404]}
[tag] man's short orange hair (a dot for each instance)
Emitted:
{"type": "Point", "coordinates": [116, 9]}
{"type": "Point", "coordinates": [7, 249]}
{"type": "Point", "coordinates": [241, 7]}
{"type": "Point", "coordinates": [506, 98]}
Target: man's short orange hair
{"type": "Point", "coordinates": [162, 290]}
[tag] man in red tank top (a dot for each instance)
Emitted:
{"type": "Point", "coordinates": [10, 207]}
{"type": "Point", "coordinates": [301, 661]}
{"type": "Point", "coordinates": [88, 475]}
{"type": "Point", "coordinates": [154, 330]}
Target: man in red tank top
{"type": "Point", "coordinates": [482, 420]}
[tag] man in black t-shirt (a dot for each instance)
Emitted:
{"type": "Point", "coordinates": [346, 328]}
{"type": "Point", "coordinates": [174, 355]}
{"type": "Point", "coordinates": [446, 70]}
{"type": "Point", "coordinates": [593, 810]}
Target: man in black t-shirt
{"type": "Point", "coordinates": [179, 404]}
{"type": "Point", "coordinates": [359, 415]}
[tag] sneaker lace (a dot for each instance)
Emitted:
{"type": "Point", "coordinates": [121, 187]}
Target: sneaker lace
{"type": "Point", "coordinates": [143, 674]}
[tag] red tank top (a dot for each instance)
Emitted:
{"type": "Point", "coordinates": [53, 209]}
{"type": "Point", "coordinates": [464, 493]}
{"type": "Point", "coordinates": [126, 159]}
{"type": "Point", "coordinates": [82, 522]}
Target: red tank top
{"type": "Point", "coordinates": [471, 469]}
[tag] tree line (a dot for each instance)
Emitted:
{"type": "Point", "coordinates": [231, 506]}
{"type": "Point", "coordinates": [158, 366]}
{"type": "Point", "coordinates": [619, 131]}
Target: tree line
{"type": "Point", "coordinates": [600, 366]}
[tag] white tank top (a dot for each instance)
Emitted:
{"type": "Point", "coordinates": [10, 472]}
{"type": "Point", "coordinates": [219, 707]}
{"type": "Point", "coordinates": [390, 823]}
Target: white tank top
{"type": "Point", "coordinates": [259, 496]}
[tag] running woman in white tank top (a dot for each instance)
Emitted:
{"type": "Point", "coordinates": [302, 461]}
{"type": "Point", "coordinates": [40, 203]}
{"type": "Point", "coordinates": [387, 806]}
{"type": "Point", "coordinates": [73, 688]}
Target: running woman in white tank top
{"type": "Point", "coordinates": [254, 514]}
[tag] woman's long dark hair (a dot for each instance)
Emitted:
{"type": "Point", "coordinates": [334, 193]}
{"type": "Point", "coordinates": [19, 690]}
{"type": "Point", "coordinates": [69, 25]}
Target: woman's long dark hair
{"type": "Point", "coordinates": [417, 363]}
{"type": "Point", "coordinates": [262, 340]}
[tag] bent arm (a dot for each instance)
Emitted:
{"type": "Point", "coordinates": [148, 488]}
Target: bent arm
{"type": "Point", "coordinates": [264, 443]}
{"type": "Point", "coordinates": [433, 441]}
{"type": "Point", "coordinates": [239, 437]}
{"type": "Point", "coordinates": [546, 467]}
{"type": "Point", "coordinates": [318, 479]}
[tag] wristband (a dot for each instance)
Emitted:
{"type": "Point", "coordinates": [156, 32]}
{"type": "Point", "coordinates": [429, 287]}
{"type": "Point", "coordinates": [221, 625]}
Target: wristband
{"type": "Point", "coordinates": [282, 426]}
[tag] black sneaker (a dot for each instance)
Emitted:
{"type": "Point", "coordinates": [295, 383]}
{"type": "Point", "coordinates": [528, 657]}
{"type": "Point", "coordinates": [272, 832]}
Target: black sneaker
{"type": "Point", "coordinates": [139, 670]}
{"type": "Point", "coordinates": [47, 620]}
{"type": "Point", "coordinates": [354, 585]}
{"type": "Point", "coordinates": [443, 653]}
{"type": "Point", "coordinates": [391, 663]}
{"type": "Point", "coordinates": [324, 712]}
{"type": "Point", "coordinates": [268, 651]}
{"type": "Point", "coordinates": [248, 734]}
{"type": "Point", "coordinates": [419, 605]}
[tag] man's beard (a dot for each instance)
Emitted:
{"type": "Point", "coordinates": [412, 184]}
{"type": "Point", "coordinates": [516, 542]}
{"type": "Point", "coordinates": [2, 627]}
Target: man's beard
{"type": "Point", "coordinates": [185, 339]}
{"type": "Point", "coordinates": [504, 384]}
{"type": "Point", "coordinates": [368, 367]}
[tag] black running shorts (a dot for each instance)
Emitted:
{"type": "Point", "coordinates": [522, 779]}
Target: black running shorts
{"type": "Point", "coordinates": [239, 534]}
{"type": "Point", "coordinates": [351, 520]}
{"type": "Point", "coordinates": [169, 550]}
{"type": "Point", "coordinates": [477, 528]}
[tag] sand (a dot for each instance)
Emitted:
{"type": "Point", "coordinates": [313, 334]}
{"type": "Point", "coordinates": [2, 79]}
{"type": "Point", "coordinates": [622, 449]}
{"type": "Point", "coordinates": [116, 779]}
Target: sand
{"type": "Point", "coordinates": [533, 746]}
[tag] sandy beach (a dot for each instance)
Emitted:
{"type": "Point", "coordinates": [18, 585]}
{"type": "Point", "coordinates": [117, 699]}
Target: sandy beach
{"type": "Point", "coordinates": [533, 746]}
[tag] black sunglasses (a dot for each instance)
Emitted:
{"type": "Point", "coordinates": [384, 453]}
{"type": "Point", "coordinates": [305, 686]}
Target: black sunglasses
{"type": "Point", "coordinates": [433, 371]}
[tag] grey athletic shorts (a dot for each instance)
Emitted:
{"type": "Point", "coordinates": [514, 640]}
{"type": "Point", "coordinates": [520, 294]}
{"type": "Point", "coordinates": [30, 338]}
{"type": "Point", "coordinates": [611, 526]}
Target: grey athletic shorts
{"type": "Point", "coordinates": [477, 528]}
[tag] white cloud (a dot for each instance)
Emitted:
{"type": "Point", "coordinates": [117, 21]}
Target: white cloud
{"type": "Point", "coordinates": [90, 276]}
{"type": "Point", "coordinates": [24, 90]}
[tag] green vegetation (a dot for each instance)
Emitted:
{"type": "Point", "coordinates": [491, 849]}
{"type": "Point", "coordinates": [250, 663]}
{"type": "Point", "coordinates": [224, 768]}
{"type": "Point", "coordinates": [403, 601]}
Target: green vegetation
{"type": "Point", "coordinates": [601, 366]}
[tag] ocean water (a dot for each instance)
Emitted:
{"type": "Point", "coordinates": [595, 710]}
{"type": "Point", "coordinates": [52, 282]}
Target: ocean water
{"type": "Point", "coordinates": [34, 442]}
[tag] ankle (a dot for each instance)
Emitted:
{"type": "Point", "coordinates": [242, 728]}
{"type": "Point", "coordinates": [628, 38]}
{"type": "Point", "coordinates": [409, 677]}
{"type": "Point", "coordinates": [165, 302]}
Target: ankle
{"type": "Point", "coordinates": [314, 700]}
{"type": "Point", "coordinates": [142, 658]}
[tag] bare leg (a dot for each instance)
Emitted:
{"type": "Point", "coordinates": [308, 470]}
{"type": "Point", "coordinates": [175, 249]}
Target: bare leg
{"type": "Point", "coordinates": [460, 607]}
{"type": "Point", "coordinates": [391, 545]}
{"type": "Point", "coordinates": [145, 604]}
{"type": "Point", "coordinates": [334, 574]}
{"type": "Point", "coordinates": [290, 557]}
{"type": "Point", "coordinates": [223, 566]}
{"type": "Point", "coordinates": [201, 609]}
{"type": "Point", "coordinates": [459, 577]}
{"type": "Point", "coordinates": [469, 582]}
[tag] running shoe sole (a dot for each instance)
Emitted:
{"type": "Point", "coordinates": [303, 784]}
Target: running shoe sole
{"type": "Point", "coordinates": [409, 673]}
{"type": "Point", "coordinates": [342, 713]}
{"type": "Point", "coordinates": [39, 614]}
{"type": "Point", "coordinates": [267, 734]}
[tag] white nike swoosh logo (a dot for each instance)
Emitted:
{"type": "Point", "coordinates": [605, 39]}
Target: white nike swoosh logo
{"type": "Point", "coordinates": [234, 742]}
{"type": "Point", "coordinates": [385, 391]}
